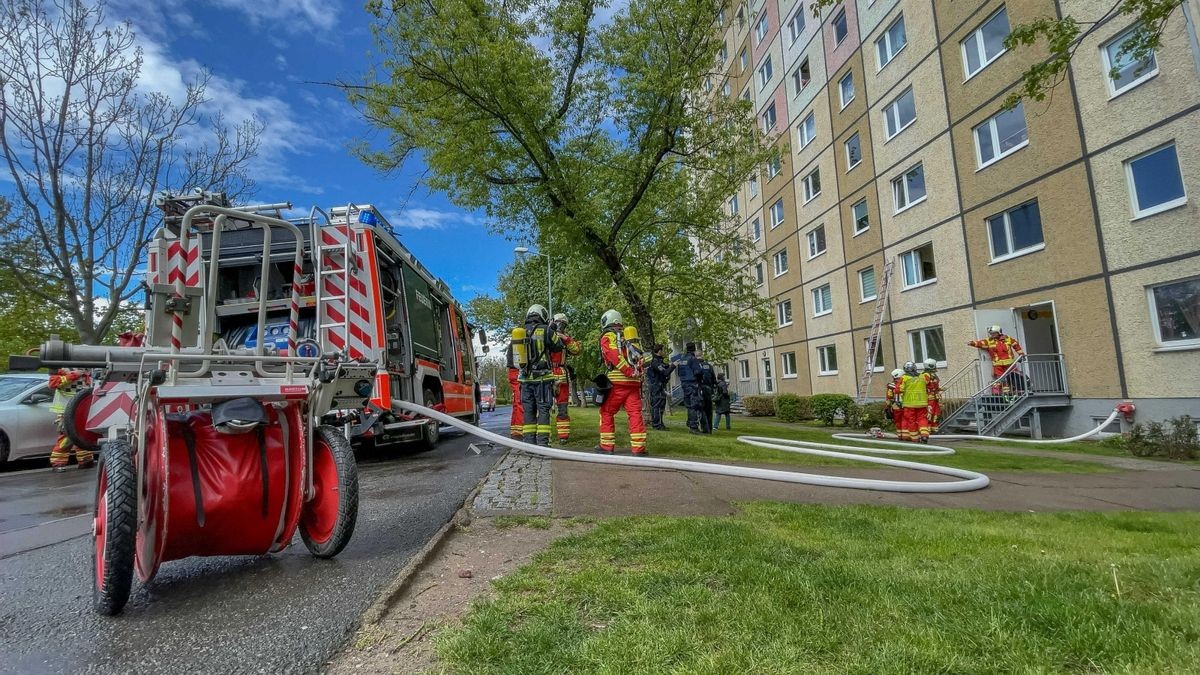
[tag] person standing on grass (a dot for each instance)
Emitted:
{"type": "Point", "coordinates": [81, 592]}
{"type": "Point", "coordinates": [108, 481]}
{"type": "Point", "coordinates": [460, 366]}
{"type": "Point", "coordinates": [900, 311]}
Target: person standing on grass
{"type": "Point", "coordinates": [721, 402]}
{"type": "Point", "coordinates": [623, 359]}
{"type": "Point", "coordinates": [658, 373]}
{"type": "Point", "coordinates": [708, 383]}
{"type": "Point", "coordinates": [689, 381]}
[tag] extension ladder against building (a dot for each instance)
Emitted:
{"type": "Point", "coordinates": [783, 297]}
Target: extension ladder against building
{"type": "Point", "coordinates": [876, 328]}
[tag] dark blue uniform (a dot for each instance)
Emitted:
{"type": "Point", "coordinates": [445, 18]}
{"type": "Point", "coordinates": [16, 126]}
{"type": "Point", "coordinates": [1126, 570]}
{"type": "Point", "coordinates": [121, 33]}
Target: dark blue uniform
{"type": "Point", "coordinates": [690, 373]}
{"type": "Point", "coordinates": [658, 374]}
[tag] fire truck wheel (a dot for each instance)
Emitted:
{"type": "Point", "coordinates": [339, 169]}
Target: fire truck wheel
{"type": "Point", "coordinates": [114, 530]}
{"type": "Point", "coordinates": [75, 416]}
{"type": "Point", "coordinates": [328, 519]}
{"type": "Point", "coordinates": [432, 432]}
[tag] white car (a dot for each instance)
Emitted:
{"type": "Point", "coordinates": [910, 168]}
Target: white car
{"type": "Point", "coordinates": [26, 423]}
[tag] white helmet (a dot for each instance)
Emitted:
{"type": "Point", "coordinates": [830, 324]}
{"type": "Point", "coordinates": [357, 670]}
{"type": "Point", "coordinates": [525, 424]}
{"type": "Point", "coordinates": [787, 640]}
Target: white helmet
{"type": "Point", "coordinates": [537, 310]}
{"type": "Point", "coordinates": [995, 329]}
{"type": "Point", "coordinates": [930, 364]}
{"type": "Point", "coordinates": [910, 367]}
{"type": "Point", "coordinates": [561, 319]}
{"type": "Point", "coordinates": [611, 317]}
{"type": "Point", "coordinates": [897, 373]}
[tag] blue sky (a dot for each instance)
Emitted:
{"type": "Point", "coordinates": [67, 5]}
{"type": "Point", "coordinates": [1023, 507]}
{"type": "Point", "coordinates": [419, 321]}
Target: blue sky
{"type": "Point", "coordinates": [262, 56]}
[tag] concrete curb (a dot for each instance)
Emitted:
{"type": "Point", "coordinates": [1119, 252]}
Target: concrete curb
{"type": "Point", "coordinates": [390, 595]}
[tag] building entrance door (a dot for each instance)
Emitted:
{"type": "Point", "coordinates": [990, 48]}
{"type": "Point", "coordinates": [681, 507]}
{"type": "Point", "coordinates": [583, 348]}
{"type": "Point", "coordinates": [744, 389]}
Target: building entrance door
{"type": "Point", "coordinates": [1038, 334]}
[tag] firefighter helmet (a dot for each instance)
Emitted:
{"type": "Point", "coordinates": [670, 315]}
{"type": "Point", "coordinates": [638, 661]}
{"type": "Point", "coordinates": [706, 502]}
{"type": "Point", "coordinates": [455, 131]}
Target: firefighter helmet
{"type": "Point", "coordinates": [537, 310]}
{"type": "Point", "coordinates": [610, 318]}
{"type": "Point", "coordinates": [910, 367]}
{"type": "Point", "coordinates": [994, 329]}
{"type": "Point", "coordinates": [561, 320]}
{"type": "Point", "coordinates": [897, 373]}
{"type": "Point", "coordinates": [930, 364]}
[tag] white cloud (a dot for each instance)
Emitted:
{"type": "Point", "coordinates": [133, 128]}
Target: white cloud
{"type": "Point", "coordinates": [171, 18]}
{"type": "Point", "coordinates": [288, 14]}
{"type": "Point", "coordinates": [431, 219]}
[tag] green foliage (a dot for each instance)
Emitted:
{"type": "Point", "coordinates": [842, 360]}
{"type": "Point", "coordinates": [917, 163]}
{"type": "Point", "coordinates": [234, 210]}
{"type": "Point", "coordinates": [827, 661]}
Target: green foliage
{"type": "Point", "coordinates": [826, 407]}
{"type": "Point", "coordinates": [1177, 439]}
{"type": "Point", "coordinates": [792, 408]}
{"type": "Point", "coordinates": [866, 416]}
{"type": "Point", "coordinates": [759, 406]}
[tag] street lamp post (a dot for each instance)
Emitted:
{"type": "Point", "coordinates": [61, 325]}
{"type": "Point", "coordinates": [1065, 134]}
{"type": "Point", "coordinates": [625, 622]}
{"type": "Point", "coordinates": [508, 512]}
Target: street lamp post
{"type": "Point", "coordinates": [521, 250]}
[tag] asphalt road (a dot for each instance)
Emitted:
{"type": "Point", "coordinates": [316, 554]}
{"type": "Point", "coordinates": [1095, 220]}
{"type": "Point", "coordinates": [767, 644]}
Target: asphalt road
{"type": "Point", "coordinates": [276, 614]}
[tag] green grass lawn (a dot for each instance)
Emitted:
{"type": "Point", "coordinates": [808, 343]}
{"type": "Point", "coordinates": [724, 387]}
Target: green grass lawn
{"type": "Point", "coordinates": [723, 446]}
{"type": "Point", "coordinates": [801, 589]}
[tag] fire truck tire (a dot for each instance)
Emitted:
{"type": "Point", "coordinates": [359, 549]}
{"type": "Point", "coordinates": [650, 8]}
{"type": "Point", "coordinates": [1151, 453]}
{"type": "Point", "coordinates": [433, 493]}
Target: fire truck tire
{"type": "Point", "coordinates": [75, 415]}
{"type": "Point", "coordinates": [432, 432]}
{"type": "Point", "coordinates": [328, 519]}
{"type": "Point", "coordinates": [114, 530]}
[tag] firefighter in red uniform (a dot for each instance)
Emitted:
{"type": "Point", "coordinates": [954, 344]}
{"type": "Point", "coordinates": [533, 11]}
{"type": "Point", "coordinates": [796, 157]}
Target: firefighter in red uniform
{"type": "Point", "coordinates": [562, 384]}
{"type": "Point", "coordinates": [892, 400]}
{"type": "Point", "coordinates": [935, 394]}
{"type": "Point", "coordinates": [1003, 351]}
{"type": "Point", "coordinates": [914, 399]}
{"type": "Point", "coordinates": [66, 383]}
{"type": "Point", "coordinates": [623, 358]}
{"type": "Point", "coordinates": [517, 420]}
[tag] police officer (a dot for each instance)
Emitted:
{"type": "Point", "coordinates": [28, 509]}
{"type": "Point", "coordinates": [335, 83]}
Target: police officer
{"type": "Point", "coordinates": [708, 385]}
{"type": "Point", "coordinates": [537, 377]}
{"type": "Point", "coordinates": [689, 374]}
{"type": "Point", "coordinates": [658, 373]}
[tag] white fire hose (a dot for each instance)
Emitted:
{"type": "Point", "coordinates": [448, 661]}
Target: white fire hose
{"type": "Point", "coordinates": [969, 480]}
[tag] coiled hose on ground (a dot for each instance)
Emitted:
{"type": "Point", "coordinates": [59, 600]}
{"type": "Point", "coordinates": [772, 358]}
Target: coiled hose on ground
{"type": "Point", "coordinates": [967, 480]}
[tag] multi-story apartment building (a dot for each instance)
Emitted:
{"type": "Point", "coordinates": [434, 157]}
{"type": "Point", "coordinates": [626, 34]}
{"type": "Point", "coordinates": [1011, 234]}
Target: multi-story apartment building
{"type": "Point", "coordinates": [1073, 222]}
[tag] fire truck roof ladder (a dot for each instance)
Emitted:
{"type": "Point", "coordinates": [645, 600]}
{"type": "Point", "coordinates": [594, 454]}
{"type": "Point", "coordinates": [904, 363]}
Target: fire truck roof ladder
{"type": "Point", "coordinates": [881, 296]}
{"type": "Point", "coordinates": [334, 264]}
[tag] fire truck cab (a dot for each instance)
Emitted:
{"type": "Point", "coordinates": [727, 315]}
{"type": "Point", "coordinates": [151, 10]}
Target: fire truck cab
{"type": "Point", "coordinates": [363, 294]}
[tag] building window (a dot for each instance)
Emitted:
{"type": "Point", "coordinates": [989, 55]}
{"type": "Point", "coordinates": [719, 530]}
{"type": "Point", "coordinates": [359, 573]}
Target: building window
{"type": "Point", "coordinates": [822, 300]}
{"type": "Point", "coordinates": [768, 381]}
{"type": "Point", "coordinates": [746, 94]}
{"type": "Point", "coordinates": [909, 190]}
{"type": "Point", "coordinates": [783, 312]}
{"type": "Point", "coordinates": [861, 220]}
{"type": "Point", "coordinates": [1015, 232]}
{"type": "Point", "coordinates": [741, 16]}
{"type": "Point", "coordinates": [812, 185]}
{"type": "Point", "coordinates": [986, 44]}
{"type": "Point", "coordinates": [1175, 313]}
{"type": "Point", "coordinates": [796, 24]}
{"type": "Point", "coordinates": [853, 152]}
{"type": "Point", "coordinates": [777, 214]}
{"type": "Point", "coordinates": [808, 129]}
{"type": "Point", "coordinates": [708, 85]}
{"type": "Point", "coordinates": [760, 30]}
{"type": "Point", "coordinates": [866, 284]}
{"type": "Point", "coordinates": [802, 76]}
{"type": "Point", "coordinates": [876, 367]}
{"type": "Point", "coordinates": [788, 359]}
{"type": "Point", "coordinates": [768, 118]}
{"type": "Point", "coordinates": [846, 87]}
{"type": "Point", "coordinates": [918, 266]}
{"type": "Point", "coordinates": [723, 54]}
{"type": "Point", "coordinates": [765, 71]}
{"type": "Point", "coordinates": [900, 113]}
{"type": "Point", "coordinates": [774, 166]}
{"type": "Point", "coordinates": [816, 242]}
{"type": "Point", "coordinates": [733, 205]}
{"type": "Point", "coordinates": [756, 229]}
{"type": "Point", "coordinates": [1155, 181]}
{"type": "Point", "coordinates": [840, 28]}
{"type": "Point", "coordinates": [744, 60]}
{"type": "Point", "coordinates": [721, 17]}
{"type": "Point", "coordinates": [753, 186]}
{"type": "Point", "coordinates": [928, 343]}
{"type": "Point", "coordinates": [1001, 135]}
{"type": "Point", "coordinates": [744, 370]}
{"type": "Point", "coordinates": [726, 89]}
{"type": "Point", "coordinates": [891, 42]}
{"type": "Point", "coordinates": [1124, 73]}
{"type": "Point", "coordinates": [781, 262]}
{"type": "Point", "coordinates": [827, 356]}
{"type": "Point", "coordinates": [759, 274]}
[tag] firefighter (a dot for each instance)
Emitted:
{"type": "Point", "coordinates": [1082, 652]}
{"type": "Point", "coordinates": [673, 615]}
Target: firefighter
{"type": "Point", "coordinates": [562, 383]}
{"type": "Point", "coordinates": [66, 383]}
{"type": "Point", "coordinates": [517, 419]}
{"type": "Point", "coordinates": [537, 345]}
{"type": "Point", "coordinates": [624, 362]}
{"type": "Point", "coordinates": [914, 399]}
{"type": "Point", "coordinates": [1003, 350]}
{"type": "Point", "coordinates": [935, 394]}
{"type": "Point", "coordinates": [892, 401]}
{"type": "Point", "coordinates": [658, 373]}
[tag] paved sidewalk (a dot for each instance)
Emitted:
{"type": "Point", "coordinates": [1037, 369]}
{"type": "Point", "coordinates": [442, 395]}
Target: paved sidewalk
{"type": "Point", "coordinates": [518, 485]}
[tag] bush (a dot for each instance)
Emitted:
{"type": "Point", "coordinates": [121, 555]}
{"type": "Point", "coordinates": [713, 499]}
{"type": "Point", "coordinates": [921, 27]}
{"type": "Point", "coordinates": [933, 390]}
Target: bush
{"type": "Point", "coordinates": [792, 408]}
{"type": "Point", "coordinates": [825, 407]}
{"type": "Point", "coordinates": [868, 416]}
{"type": "Point", "coordinates": [1177, 439]}
{"type": "Point", "coordinates": [759, 406]}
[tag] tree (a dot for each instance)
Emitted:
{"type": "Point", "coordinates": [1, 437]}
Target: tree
{"type": "Point", "coordinates": [598, 140]}
{"type": "Point", "coordinates": [86, 151]}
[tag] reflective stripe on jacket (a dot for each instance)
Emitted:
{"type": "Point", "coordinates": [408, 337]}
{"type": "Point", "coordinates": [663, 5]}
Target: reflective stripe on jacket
{"type": "Point", "coordinates": [613, 350]}
{"type": "Point", "coordinates": [1003, 351]}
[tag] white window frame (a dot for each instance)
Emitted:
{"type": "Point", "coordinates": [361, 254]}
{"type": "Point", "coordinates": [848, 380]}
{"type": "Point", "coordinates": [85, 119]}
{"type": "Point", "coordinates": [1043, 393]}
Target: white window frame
{"type": "Point", "coordinates": [823, 360]}
{"type": "Point", "coordinates": [753, 186]}
{"type": "Point", "coordinates": [756, 229]}
{"type": "Point", "coordinates": [981, 49]}
{"type": "Point", "coordinates": [781, 254]}
{"type": "Point", "coordinates": [842, 89]}
{"type": "Point", "coordinates": [895, 105]}
{"type": "Point", "coordinates": [1152, 305]}
{"type": "Point", "coordinates": [924, 345]}
{"type": "Point", "coordinates": [850, 163]}
{"type": "Point", "coordinates": [783, 314]}
{"type": "Point", "coordinates": [813, 239]}
{"type": "Point", "coordinates": [760, 274]}
{"type": "Point", "coordinates": [1148, 74]}
{"type": "Point", "coordinates": [765, 72]}
{"type": "Point", "coordinates": [993, 131]}
{"type": "Point", "coordinates": [734, 206]}
{"type": "Point", "coordinates": [743, 370]}
{"type": "Point", "coordinates": [862, 288]}
{"type": "Point", "coordinates": [923, 282]}
{"type": "Point", "coordinates": [816, 293]}
{"type": "Point", "coordinates": [886, 40]}
{"type": "Point", "coordinates": [726, 89]}
{"type": "Point", "coordinates": [761, 28]}
{"type": "Point", "coordinates": [833, 23]}
{"type": "Point", "coordinates": [903, 185]}
{"type": "Point", "coordinates": [813, 177]}
{"type": "Point", "coordinates": [798, 78]}
{"type": "Point", "coordinates": [1138, 212]}
{"type": "Point", "coordinates": [770, 124]}
{"type": "Point", "coordinates": [787, 366]}
{"type": "Point", "coordinates": [768, 379]}
{"type": "Point", "coordinates": [793, 31]}
{"type": "Point", "coordinates": [854, 217]}
{"type": "Point", "coordinates": [774, 167]}
{"type": "Point", "coordinates": [777, 218]}
{"type": "Point", "coordinates": [876, 367]}
{"type": "Point", "coordinates": [805, 139]}
{"type": "Point", "coordinates": [987, 223]}
{"type": "Point", "coordinates": [744, 60]}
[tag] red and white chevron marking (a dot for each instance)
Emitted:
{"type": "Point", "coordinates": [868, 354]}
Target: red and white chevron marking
{"type": "Point", "coordinates": [113, 409]}
{"type": "Point", "coordinates": [335, 309]}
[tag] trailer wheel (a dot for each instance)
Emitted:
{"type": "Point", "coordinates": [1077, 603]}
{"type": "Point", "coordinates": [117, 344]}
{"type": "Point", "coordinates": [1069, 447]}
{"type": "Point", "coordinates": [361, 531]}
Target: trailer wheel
{"type": "Point", "coordinates": [114, 528]}
{"type": "Point", "coordinates": [75, 416]}
{"type": "Point", "coordinates": [328, 519]}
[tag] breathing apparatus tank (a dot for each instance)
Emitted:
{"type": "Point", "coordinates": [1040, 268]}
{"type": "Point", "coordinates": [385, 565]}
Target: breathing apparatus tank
{"type": "Point", "coordinates": [634, 347]}
{"type": "Point", "coordinates": [519, 347]}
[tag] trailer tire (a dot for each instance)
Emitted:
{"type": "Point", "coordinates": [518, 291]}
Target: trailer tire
{"type": "Point", "coordinates": [75, 415]}
{"type": "Point", "coordinates": [328, 519]}
{"type": "Point", "coordinates": [114, 533]}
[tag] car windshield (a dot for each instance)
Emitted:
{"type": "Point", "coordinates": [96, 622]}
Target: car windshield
{"type": "Point", "coordinates": [11, 386]}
